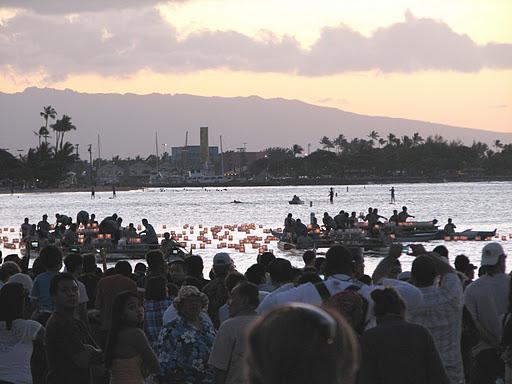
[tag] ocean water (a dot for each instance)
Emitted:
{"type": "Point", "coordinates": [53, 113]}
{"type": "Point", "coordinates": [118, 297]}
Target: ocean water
{"type": "Point", "coordinates": [482, 206]}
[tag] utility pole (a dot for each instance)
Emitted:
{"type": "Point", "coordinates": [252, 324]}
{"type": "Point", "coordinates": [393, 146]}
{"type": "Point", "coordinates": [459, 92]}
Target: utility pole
{"type": "Point", "coordinates": [156, 146]}
{"type": "Point", "coordinates": [221, 158]}
{"type": "Point", "coordinates": [309, 149]}
{"type": "Point", "coordinates": [90, 162]}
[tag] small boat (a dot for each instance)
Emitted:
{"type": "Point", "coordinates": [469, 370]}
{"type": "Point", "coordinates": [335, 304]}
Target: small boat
{"type": "Point", "coordinates": [296, 200]}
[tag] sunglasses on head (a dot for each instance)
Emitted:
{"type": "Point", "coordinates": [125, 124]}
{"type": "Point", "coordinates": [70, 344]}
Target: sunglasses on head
{"type": "Point", "coordinates": [326, 323]}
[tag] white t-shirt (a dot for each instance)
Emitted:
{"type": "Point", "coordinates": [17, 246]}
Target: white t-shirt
{"type": "Point", "coordinates": [16, 350]}
{"type": "Point", "coordinates": [82, 293]}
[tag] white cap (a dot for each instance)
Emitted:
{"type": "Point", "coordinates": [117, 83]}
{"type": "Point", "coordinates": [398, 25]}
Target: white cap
{"type": "Point", "coordinates": [491, 254]}
{"type": "Point", "coordinates": [23, 279]}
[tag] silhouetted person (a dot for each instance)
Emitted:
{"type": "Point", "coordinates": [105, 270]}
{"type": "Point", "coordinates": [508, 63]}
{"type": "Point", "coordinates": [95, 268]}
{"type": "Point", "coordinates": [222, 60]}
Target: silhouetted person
{"type": "Point", "coordinates": [331, 195]}
{"type": "Point", "coordinates": [392, 190]}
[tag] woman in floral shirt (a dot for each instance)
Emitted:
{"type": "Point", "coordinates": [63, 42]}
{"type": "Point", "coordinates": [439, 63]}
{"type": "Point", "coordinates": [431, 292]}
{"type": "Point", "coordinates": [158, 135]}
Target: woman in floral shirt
{"type": "Point", "coordinates": [184, 345]}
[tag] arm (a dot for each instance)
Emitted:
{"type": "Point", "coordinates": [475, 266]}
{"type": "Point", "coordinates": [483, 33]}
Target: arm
{"type": "Point", "coordinates": [149, 360]}
{"type": "Point", "coordinates": [388, 263]}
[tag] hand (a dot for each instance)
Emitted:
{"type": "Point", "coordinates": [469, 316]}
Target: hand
{"type": "Point", "coordinates": [395, 250]}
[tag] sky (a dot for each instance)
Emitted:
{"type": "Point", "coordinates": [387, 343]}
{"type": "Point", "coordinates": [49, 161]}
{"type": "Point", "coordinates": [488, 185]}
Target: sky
{"type": "Point", "coordinates": [444, 61]}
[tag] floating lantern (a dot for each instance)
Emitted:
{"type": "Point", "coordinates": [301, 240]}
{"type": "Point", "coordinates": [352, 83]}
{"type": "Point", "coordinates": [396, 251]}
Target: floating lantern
{"type": "Point", "coordinates": [201, 246]}
{"type": "Point", "coordinates": [192, 246]}
{"type": "Point", "coordinates": [478, 238]}
{"type": "Point", "coordinates": [503, 238]}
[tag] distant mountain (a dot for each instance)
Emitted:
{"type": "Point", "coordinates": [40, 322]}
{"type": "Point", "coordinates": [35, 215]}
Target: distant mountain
{"type": "Point", "coordinates": [127, 123]}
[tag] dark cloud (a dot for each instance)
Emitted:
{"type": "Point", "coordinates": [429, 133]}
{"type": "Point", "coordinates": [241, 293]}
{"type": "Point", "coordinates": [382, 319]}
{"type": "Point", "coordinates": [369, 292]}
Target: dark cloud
{"type": "Point", "coordinates": [123, 42]}
{"type": "Point", "coordinates": [77, 6]}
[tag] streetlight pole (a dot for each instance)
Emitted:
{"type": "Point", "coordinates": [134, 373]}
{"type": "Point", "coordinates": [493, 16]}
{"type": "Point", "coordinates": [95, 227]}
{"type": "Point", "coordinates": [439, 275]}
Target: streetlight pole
{"type": "Point", "coordinates": [90, 162]}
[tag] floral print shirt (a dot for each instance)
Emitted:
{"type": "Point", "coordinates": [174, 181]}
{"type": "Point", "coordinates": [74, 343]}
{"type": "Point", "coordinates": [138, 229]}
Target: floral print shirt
{"type": "Point", "coordinates": [183, 351]}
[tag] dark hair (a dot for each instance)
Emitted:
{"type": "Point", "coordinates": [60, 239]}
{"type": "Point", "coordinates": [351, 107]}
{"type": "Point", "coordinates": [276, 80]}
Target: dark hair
{"type": "Point", "coordinates": [140, 267]}
{"type": "Point", "coordinates": [118, 306]}
{"type": "Point", "coordinates": [339, 259]}
{"type": "Point", "coordinates": [280, 271]}
{"type": "Point", "coordinates": [12, 257]}
{"type": "Point", "coordinates": [156, 288]}
{"type": "Point", "coordinates": [38, 267]}
{"type": "Point", "coordinates": [308, 344]}
{"type": "Point", "coordinates": [256, 274]}
{"type": "Point", "coordinates": [123, 268]}
{"type": "Point", "coordinates": [8, 269]}
{"type": "Point", "coordinates": [249, 291]}
{"type": "Point", "coordinates": [308, 257]}
{"type": "Point", "coordinates": [194, 265]}
{"type": "Point", "coordinates": [155, 260]}
{"type": "Point", "coordinates": [461, 263]}
{"type": "Point", "coordinates": [387, 301]}
{"type": "Point", "coordinates": [423, 271]}
{"type": "Point", "coordinates": [309, 277]}
{"type": "Point", "coordinates": [73, 261]}
{"type": "Point", "coordinates": [233, 279]}
{"type": "Point", "coordinates": [12, 299]}
{"type": "Point", "coordinates": [265, 259]}
{"type": "Point", "coordinates": [441, 250]}
{"type": "Point", "coordinates": [320, 264]}
{"type": "Point", "coordinates": [54, 283]}
{"type": "Point", "coordinates": [89, 263]}
{"type": "Point", "coordinates": [52, 256]}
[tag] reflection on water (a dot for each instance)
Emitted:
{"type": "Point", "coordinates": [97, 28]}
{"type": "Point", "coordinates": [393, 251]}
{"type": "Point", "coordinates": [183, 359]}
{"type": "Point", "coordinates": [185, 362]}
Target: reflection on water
{"type": "Point", "coordinates": [482, 206]}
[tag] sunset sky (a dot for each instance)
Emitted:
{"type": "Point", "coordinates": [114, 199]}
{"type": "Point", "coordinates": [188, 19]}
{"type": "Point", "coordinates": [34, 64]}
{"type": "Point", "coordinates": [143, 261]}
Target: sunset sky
{"type": "Point", "coordinates": [446, 61]}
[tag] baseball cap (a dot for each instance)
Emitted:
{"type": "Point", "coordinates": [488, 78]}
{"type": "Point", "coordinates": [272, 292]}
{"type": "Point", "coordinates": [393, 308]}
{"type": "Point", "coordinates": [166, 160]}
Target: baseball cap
{"type": "Point", "coordinates": [491, 254]}
{"type": "Point", "coordinates": [222, 258]}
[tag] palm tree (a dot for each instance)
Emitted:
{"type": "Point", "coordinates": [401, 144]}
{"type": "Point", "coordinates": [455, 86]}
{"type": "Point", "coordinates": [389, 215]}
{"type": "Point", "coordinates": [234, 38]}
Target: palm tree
{"type": "Point", "coordinates": [382, 141]}
{"type": "Point", "coordinates": [326, 143]}
{"type": "Point", "coordinates": [48, 113]}
{"type": "Point", "coordinates": [392, 139]}
{"type": "Point", "coordinates": [297, 149]}
{"type": "Point", "coordinates": [497, 144]}
{"type": "Point", "coordinates": [61, 127]}
{"type": "Point", "coordinates": [43, 132]}
{"type": "Point", "coordinates": [373, 135]}
{"type": "Point", "coordinates": [340, 142]}
{"type": "Point", "coordinates": [417, 139]}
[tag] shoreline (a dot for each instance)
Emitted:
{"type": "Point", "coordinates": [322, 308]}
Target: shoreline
{"type": "Point", "coordinates": [272, 183]}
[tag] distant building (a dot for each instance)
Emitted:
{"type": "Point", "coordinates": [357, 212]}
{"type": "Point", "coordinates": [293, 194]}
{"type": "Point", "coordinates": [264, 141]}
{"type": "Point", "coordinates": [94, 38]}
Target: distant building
{"type": "Point", "coordinates": [189, 157]}
{"type": "Point", "coordinates": [109, 174]}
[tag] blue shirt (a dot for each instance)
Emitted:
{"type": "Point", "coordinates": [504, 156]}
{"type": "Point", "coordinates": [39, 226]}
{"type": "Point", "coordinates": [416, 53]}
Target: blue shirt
{"type": "Point", "coordinates": [41, 291]}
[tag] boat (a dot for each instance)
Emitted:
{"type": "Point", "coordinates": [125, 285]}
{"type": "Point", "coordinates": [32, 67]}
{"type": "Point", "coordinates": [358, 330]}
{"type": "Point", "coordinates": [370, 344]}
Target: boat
{"type": "Point", "coordinates": [296, 200]}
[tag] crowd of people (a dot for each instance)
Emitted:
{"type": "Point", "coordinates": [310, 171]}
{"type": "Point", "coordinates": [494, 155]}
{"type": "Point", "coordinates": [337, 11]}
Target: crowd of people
{"type": "Point", "coordinates": [66, 320]}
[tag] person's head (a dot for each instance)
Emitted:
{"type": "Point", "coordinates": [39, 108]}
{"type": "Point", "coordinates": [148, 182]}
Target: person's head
{"type": "Point", "coordinates": [339, 259]}
{"type": "Point", "coordinates": [12, 300]}
{"type": "Point", "coordinates": [74, 263]}
{"type": "Point", "coordinates": [123, 268]}
{"type": "Point", "coordinates": [25, 220]}
{"type": "Point", "coordinates": [387, 302]}
{"type": "Point", "coordinates": [423, 271]}
{"type": "Point", "coordinates": [64, 292]}
{"type": "Point", "coordinates": [298, 221]}
{"type": "Point", "coordinates": [156, 288]}
{"type": "Point", "coordinates": [93, 216]}
{"type": "Point", "coordinates": [73, 227]}
{"type": "Point", "coordinates": [45, 217]}
{"type": "Point", "coordinates": [280, 271]}
{"type": "Point", "coordinates": [14, 258]}
{"type": "Point", "coordinates": [449, 221]}
{"type": "Point", "coordinates": [441, 250]}
{"type": "Point", "coordinates": [222, 265]}
{"type": "Point", "coordinates": [140, 269]}
{"type": "Point", "coordinates": [463, 265]}
{"type": "Point", "coordinates": [351, 306]}
{"type": "Point", "coordinates": [320, 264]}
{"type": "Point", "coordinates": [156, 262]}
{"type": "Point", "coordinates": [357, 254]}
{"type": "Point", "coordinates": [309, 258]}
{"type": "Point", "coordinates": [23, 279]}
{"type": "Point", "coordinates": [52, 257]}
{"type": "Point", "coordinates": [8, 269]}
{"type": "Point", "coordinates": [493, 259]}
{"type": "Point", "coordinates": [89, 263]}
{"type": "Point", "coordinates": [233, 279]}
{"type": "Point", "coordinates": [194, 266]}
{"type": "Point", "coordinates": [308, 344]}
{"type": "Point", "coordinates": [289, 216]}
{"type": "Point", "coordinates": [127, 312]}
{"type": "Point", "coordinates": [395, 212]}
{"type": "Point", "coordinates": [244, 297]}
{"type": "Point", "coordinates": [189, 302]}
{"type": "Point", "coordinates": [38, 267]}
{"type": "Point", "coordinates": [167, 235]}
{"type": "Point", "coordinates": [370, 210]}
{"type": "Point", "coordinates": [375, 211]}
{"type": "Point", "coordinates": [265, 259]}
{"type": "Point", "coordinates": [256, 274]}
{"type": "Point", "coordinates": [326, 214]}
{"type": "Point", "coordinates": [144, 222]}
{"type": "Point", "coordinates": [404, 209]}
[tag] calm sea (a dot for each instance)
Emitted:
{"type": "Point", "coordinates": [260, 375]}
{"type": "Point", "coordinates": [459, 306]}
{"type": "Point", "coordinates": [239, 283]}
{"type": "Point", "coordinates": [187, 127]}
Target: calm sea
{"type": "Point", "coordinates": [483, 206]}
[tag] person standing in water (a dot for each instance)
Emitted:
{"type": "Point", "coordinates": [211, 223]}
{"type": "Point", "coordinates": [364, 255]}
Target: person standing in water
{"type": "Point", "coordinates": [113, 191]}
{"type": "Point", "coordinates": [392, 190]}
{"type": "Point", "coordinates": [331, 195]}
{"type": "Point", "coordinates": [93, 193]}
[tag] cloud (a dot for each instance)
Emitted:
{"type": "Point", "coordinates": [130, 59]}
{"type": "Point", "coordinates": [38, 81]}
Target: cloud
{"type": "Point", "coordinates": [49, 7]}
{"type": "Point", "coordinates": [123, 42]}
